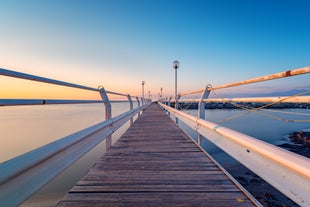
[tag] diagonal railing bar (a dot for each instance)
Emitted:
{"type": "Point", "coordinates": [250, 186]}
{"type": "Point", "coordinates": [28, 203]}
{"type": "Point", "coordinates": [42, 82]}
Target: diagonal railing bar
{"type": "Point", "coordinates": [283, 74]}
{"type": "Point", "coordinates": [17, 102]}
{"type": "Point", "coordinates": [250, 109]}
{"type": "Point", "coordinates": [264, 106]}
{"type": "Point", "coordinates": [26, 76]}
{"type": "Point", "coordinates": [288, 73]}
{"type": "Point", "coordinates": [192, 92]}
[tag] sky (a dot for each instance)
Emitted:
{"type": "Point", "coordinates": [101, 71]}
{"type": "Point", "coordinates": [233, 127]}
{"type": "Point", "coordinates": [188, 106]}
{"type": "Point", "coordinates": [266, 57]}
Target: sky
{"type": "Point", "coordinates": [120, 43]}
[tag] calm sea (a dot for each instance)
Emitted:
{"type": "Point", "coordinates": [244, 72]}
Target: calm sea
{"type": "Point", "coordinates": [263, 125]}
{"type": "Point", "coordinates": [24, 128]}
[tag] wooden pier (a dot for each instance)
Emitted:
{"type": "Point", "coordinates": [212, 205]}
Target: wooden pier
{"type": "Point", "coordinates": [155, 164]}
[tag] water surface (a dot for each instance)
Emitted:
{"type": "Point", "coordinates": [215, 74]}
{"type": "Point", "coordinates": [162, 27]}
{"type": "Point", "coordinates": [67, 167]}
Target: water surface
{"type": "Point", "coordinates": [24, 128]}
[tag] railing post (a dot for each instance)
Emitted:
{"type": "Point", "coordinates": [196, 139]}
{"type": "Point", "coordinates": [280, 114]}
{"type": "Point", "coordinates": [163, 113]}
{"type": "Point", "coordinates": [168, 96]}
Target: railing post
{"type": "Point", "coordinates": [108, 112]}
{"type": "Point", "coordinates": [176, 106]}
{"type": "Point", "coordinates": [169, 101]}
{"type": "Point", "coordinates": [131, 107]}
{"type": "Point", "coordinates": [201, 107]}
{"type": "Point", "coordinates": [138, 105]}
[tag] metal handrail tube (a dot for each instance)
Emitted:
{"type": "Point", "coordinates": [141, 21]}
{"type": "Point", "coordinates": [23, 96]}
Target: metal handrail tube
{"type": "Point", "coordinates": [27, 173]}
{"type": "Point", "coordinates": [16, 102]}
{"type": "Point", "coordinates": [25, 76]}
{"type": "Point", "coordinates": [120, 94]}
{"type": "Point", "coordinates": [115, 93]}
{"type": "Point", "coordinates": [283, 74]}
{"type": "Point", "coordinates": [193, 92]}
{"type": "Point", "coordinates": [286, 171]}
{"type": "Point", "coordinates": [280, 99]}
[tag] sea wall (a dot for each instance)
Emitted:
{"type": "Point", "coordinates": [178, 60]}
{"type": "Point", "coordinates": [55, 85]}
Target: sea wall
{"type": "Point", "coordinates": [222, 105]}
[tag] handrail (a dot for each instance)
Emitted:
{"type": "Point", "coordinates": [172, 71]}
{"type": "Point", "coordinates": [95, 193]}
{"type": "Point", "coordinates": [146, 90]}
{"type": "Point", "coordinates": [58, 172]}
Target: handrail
{"type": "Point", "coordinates": [15, 74]}
{"type": "Point", "coordinates": [283, 74]}
{"type": "Point", "coordinates": [286, 171]}
{"type": "Point", "coordinates": [27, 173]}
{"type": "Point", "coordinates": [26, 76]}
{"type": "Point", "coordinates": [192, 92]}
{"type": "Point", "coordinates": [18, 102]}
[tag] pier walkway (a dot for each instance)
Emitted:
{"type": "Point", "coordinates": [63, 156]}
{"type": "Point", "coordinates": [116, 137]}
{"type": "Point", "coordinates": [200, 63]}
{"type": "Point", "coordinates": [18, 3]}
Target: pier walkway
{"type": "Point", "coordinates": [155, 163]}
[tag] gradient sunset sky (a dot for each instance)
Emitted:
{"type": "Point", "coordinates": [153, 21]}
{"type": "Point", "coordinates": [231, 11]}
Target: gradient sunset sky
{"type": "Point", "coordinates": [119, 43]}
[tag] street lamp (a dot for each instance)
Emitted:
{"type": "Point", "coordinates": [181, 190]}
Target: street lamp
{"type": "Point", "coordinates": [143, 82]}
{"type": "Point", "coordinates": [176, 65]}
{"type": "Point", "coordinates": [161, 92]}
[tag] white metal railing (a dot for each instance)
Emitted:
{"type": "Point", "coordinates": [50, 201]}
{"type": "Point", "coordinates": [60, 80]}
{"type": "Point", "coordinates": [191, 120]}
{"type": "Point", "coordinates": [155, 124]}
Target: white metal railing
{"type": "Point", "coordinates": [22, 176]}
{"type": "Point", "coordinates": [15, 74]}
{"type": "Point", "coordinates": [286, 171]}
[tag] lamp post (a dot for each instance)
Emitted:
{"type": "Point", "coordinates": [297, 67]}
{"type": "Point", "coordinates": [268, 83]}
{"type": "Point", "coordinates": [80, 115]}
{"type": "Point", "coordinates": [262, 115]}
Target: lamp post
{"type": "Point", "coordinates": [161, 92]}
{"type": "Point", "coordinates": [176, 65]}
{"type": "Point", "coordinates": [143, 82]}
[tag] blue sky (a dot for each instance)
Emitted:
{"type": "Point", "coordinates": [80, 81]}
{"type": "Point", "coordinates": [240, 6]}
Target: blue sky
{"type": "Point", "coordinates": [119, 43]}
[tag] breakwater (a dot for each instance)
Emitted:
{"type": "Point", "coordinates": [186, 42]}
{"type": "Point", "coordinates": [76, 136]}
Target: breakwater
{"type": "Point", "coordinates": [225, 105]}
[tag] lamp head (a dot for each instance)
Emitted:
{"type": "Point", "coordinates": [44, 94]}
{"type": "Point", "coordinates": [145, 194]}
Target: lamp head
{"type": "Point", "coordinates": [176, 64]}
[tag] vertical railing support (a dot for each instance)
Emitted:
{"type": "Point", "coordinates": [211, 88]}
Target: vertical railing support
{"type": "Point", "coordinates": [169, 104]}
{"type": "Point", "coordinates": [169, 101]}
{"type": "Point", "coordinates": [131, 107]}
{"type": "Point", "coordinates": [201, 107]}
{"type": "Point", "coordinates": [176, 106]}
{"type": "Point", "coordinates": [108, 112]}
{"type": "Point", "coordinates": [138, 105]}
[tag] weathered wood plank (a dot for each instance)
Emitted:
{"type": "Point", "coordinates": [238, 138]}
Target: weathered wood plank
{"type": "Point", "coordinates": [155, 164]}
{"type": "Point", "coordinates": [212, 199]}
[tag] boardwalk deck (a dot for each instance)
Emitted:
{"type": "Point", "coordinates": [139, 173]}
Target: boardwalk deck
{"type": "Point", "coordinates": [155, 164]}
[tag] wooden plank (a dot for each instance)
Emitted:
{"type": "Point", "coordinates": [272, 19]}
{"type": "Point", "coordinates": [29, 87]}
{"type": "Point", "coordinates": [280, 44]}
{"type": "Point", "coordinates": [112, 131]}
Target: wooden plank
{"type": "Point", "coordinates": [157, 199]}
{"type": "Point", "coordinates": [155, 164]}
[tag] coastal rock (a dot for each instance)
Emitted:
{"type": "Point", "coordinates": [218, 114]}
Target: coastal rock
{"type": "Point", "coordinates": [301, 137]}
